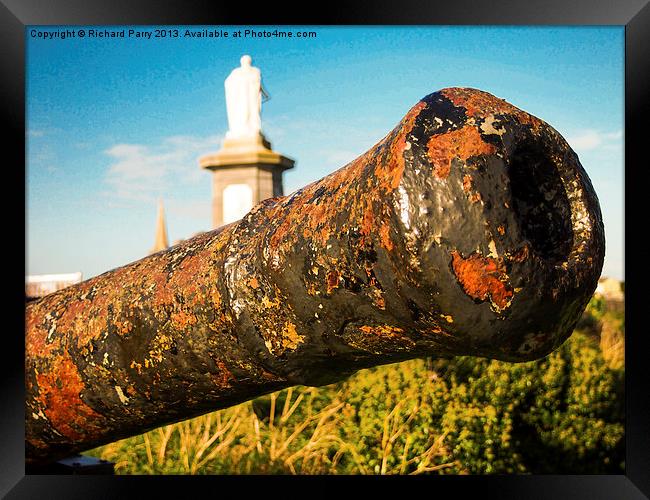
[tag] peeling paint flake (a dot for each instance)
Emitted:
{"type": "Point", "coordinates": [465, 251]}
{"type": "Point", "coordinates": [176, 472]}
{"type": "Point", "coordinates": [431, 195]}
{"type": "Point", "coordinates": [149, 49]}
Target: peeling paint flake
{"type": "Point", "coordinates": [120, 394]}
{"type": "Point", "coordinates": [483, 278]}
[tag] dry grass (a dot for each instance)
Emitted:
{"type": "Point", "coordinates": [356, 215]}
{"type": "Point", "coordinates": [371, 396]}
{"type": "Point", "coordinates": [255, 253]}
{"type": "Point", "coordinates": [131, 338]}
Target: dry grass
{"type": "Point", "coordinates": [612, 341]}
{"type": "Point", "coordinates": [395, 424]}
{"type": "Point", "coordinates": [296, 439]}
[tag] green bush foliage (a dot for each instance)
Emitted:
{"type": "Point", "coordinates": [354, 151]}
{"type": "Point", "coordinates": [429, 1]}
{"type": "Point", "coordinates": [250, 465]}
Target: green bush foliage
{"type": "Point", "coordinates": [560, 414]}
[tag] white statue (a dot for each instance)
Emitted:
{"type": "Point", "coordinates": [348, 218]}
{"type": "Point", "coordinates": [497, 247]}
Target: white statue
{"type": "Point", "coordinates": [244, 93]}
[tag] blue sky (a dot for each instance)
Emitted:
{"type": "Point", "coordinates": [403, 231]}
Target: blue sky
{"type": "Point", "coordinates": [114, 124]}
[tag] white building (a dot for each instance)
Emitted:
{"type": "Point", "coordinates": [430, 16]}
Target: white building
{"type": "Point", "coordinates": [39, 285]}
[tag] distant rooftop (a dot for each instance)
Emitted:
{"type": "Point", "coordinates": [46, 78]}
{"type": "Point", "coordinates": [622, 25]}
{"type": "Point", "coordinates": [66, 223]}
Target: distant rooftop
{"type": "Point", "coordinates": [39, 285]}
{"type": "Point", "coordinates": [610, 288]}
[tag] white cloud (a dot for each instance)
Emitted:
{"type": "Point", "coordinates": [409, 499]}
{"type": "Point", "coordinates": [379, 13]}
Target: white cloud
{"type": "Point", "coordinates": [140, 172]}
{"type": "Point", "coordinates": [590, 139]}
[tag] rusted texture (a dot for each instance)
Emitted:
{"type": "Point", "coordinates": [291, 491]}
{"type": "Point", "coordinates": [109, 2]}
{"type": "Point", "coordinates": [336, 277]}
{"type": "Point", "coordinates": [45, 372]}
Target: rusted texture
{"type": "Point", "coordinates": [483, 278]}
{"type": "Point", "coordinates": [471, 228]}
{"type": "Point", "coordinates": [459, 144]}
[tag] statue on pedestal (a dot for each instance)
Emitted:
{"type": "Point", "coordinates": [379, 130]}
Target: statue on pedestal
{"type": "Point", "coordinates": [244, 94]}
{"type": "Point", "coordinates": [245, 170]}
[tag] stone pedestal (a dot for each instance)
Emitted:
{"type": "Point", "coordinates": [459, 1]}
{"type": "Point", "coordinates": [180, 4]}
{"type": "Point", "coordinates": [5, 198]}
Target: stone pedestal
{"type": "Point", "coordinates": [244, 172]}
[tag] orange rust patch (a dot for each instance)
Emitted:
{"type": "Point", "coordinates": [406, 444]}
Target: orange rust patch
{"type": "Point", "coordinates": [462, 143]}
{"type": "Point", "coordinates": [84, 330]}
{"type": "Point", "coordinates": [216, 299]}
{"type": "Point", "coordinates": [381, 330]}
{"type": "Point", "coordinates": [317, 214]}
{"type": "Point", "coordinates": [480, 104]}
{"type": "Point", "coordinates": [332, 280]}
{"type": "Point", "coordinates": [159, 345]}
{"type": "Point", "coordinates": [253, 283]}
{"type": "Point", "coordinates": [409, 120]}
{"type": "Point", "coordinates": [36, 336]}
{"type": "Point", "coordinates": [311, 216]}
{"type": "Point", "coordinates": [501, 230]}
{"type": "Point", "coordinates": [475, 197]}
{"type": "Point", "coordinates": [379, 301]}
{"type": "Point", "coordinates": [280, 233]}
{"type": "Point", "coordinates": [182, 320]}
{"type": "Point", "coordinates": [73, 311]}
{"type": "Point", "coordinates": [290, 337]}
{"type": "Point", "coordinates": [162, 293]}
{"type": "Point", "coordinates": [390, 171]}
{"type": "Point", "coordinates": [467, 187]}
{"type": "Point", "coordinates": [59, 394]}
{"type": "Point", "coordinates": [123, 327]}
{"type": "Point", "coordinates": [187, 277]}
{"type": "Point", "coordinates": [483, 278]}
{"type": "Point", "coordinates": [467, 183]}
{"type": "Point", "coordinates": [376, 335]}
{"type": "Point", "coordinates": [268, 303]}
{"type": "Point", "coordinates": [311, 289]}
{"type": "Point", "coordinates": [438, 330]}
{"type": "Point", "coordinates": [224, 377]}
{"type": "Point", "coordinates": [385, 237]}
{"type": "Point", "coordinates": [367, 222]}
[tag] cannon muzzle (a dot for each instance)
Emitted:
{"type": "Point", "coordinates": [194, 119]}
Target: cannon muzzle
{"type": "Point", "coordinates": [470, 229]}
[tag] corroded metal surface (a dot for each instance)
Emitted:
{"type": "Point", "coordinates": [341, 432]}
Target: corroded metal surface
{"type": "Point", "coordinates": [471, 228]}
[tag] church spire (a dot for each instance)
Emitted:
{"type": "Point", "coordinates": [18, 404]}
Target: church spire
{"type": "Point", "coordinates": [160, 243]}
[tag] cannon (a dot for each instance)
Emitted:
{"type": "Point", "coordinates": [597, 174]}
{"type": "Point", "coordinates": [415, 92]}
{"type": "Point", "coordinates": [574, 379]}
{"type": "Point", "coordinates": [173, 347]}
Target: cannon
{"type": "Point", "coordinates": [470, 229]}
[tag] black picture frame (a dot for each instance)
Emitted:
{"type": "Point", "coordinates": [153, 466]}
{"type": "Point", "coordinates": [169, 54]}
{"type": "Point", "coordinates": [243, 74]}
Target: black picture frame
{"type": "Point", "coordinates": [16, 14]}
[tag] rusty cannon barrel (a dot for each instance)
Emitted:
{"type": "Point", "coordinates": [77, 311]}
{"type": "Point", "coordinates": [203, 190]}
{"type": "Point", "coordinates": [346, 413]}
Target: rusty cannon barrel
{"type": "Point", "coordinates": [470, 229]}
